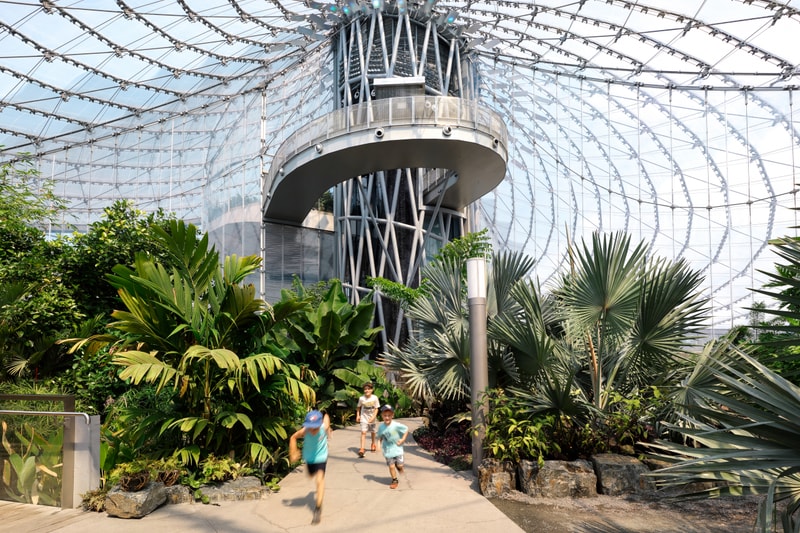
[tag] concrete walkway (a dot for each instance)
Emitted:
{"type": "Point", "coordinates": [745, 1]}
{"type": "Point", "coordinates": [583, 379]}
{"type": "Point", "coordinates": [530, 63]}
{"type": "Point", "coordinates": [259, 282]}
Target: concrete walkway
{"type": "Point", "coordinates": [431, 497]}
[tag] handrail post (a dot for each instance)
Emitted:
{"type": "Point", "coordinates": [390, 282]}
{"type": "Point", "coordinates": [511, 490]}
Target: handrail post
{"type": "Point", "coordinates": [83, 468]}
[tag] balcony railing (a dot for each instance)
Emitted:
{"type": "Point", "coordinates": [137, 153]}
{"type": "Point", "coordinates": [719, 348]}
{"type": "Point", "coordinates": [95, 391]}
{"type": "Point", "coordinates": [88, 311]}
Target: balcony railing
{"type": "Point", "coordinates": [397, 111]}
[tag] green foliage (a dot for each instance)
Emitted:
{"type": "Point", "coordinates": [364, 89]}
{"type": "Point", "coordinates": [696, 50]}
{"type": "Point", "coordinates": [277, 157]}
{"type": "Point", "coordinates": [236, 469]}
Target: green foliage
{"type": "Point", "coordinates": [397, 292]}
{"type": "Point", "coordinates": [573, 362]}
{"type": "Point", "coordinates": [122, 232]}
{"type": "Point", "coordinates": [94, 381]}
{"type": "Point", "coordinates": [737, 415]}
{"type": "Point", "coordinates": [629, 421]}
{"type": "Point", "coordinates": [218, 469]}
{"type": "Point", "coordinates": [511, 436]}
{"type": "Point", "coordinates": [475, 244]}
{"type": "Point", "coordinates": [625, 316]}
{"type": "Point", "coordinates": [740, 420]}
{"type": "Point", "coordinates": [122, 440]}
{"type": "Point", "coordinates": [49, 286]}
{"type": "Point", "coordinates": [331, 341]}
{"type": "Point", "coordinates": [434, 362]}
{"type": "Point", "coordinates": [195, 330]}
{"type": "Point", "coordinates": [35, 306]}
{"type": "Point", "coordinates": [26, 201]}
{"type": "Point", "coordinates": [774, 331]}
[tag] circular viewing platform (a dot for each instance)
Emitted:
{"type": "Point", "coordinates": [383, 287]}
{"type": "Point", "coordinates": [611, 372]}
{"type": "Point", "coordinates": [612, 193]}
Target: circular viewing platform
{"type": "Point", "coordinates": [434, 132]}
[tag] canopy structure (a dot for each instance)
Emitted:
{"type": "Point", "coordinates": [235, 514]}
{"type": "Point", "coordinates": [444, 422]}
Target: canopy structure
{"type": "Point", "coordinates": [674, 121]}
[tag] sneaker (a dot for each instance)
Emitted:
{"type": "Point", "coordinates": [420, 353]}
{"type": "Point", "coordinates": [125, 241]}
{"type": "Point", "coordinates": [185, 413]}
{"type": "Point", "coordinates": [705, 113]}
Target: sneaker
{"type": "Point", "coordinates": [317, 515]}
{"type": "Point", "coordinates": [394, 484]}
{"type": "Point", "coordinates": [361, 452]}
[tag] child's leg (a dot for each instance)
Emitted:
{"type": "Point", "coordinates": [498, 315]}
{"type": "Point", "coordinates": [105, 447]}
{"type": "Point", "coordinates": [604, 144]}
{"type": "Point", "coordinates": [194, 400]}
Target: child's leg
{"type": "Point", "coordinates": [373, 447]}
{"type": "Point", "coordinates": [363, 438]}
{"type": "Point", "coordinates": [319, 477]}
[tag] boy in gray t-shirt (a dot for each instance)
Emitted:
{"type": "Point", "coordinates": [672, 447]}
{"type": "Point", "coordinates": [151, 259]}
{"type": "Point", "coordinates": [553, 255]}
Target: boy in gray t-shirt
{"type": "Point", "coordinates": [367, 416]}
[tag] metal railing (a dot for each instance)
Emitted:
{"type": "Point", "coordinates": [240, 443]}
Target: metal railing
{"type": "Point", "coordinates": [80, 471]}
{"type": "Point", "coordinates": [397, 111]}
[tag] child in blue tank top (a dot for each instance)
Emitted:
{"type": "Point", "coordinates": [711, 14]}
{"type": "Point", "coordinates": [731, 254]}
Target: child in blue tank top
{"type": "Point", "coordinates": [315, 433]}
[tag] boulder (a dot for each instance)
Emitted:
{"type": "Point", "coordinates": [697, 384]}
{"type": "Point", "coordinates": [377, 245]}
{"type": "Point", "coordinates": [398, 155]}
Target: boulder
{"type": "Point", "coordinates": [558, 479]}
{"type": "Point", "coordinates": [621, 474]}
{"type": "Point", "coordinates": [135, 504]}
{"type": "Point", "coordinates": [496, 478]}
{"type": "Point", "coordinates": [179, 494]}
{"type": "Point", "coordinates": [243, 488]}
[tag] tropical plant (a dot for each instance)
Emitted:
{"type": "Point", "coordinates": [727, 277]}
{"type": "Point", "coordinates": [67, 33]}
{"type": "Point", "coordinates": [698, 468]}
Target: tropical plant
{"type": "Point", "coordinates": [35, 306]}
{"type": "Point", "coordinates": [743, 434]}
{"type": "Point", "coordinates": [114, 239]}
{"type": "Point", "coordinates": [626, 317]}
{"type": "Point", "coordinates": [512, 435]}
{"type": "Point", "coordinates": [434, 363]}
{"type": "Point", "coordinates": [48, 286]}
{"type": "Point", "coordinates": [183, 331]}
{"type": "Point", "coordinates": [777, 340]}
{"type": "Point", "coordinates": [739, 416]}
{"type": "Point", "coordinates": [331, 339]}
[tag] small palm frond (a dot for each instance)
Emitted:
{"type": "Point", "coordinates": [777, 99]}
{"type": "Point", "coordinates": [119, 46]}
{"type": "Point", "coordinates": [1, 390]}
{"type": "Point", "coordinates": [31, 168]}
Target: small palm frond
{"type": "Point", "coordinates": [508, 270]}
{"type": "Point", "coordinates": [142, 366]}
{"type": "Point", "coordinates": [191, 254]}
{"type": "Point", "coordinates": [235, 269]}
{"type": "Point", "coordinates": [525, 332]}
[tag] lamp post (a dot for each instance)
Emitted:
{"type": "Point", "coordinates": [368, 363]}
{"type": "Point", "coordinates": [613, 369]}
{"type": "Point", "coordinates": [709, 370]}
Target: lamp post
{"type": "Point", "coordinates": [479, 366]}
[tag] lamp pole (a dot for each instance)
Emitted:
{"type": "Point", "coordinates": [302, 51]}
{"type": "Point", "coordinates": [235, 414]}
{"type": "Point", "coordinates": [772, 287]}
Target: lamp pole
{"type": "Point", "coordinates": [479, 365]}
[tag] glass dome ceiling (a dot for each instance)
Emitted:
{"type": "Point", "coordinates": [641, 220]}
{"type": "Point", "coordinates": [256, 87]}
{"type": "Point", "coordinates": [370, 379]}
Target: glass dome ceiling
{"type": "Point", "coordinates": [672, 120]}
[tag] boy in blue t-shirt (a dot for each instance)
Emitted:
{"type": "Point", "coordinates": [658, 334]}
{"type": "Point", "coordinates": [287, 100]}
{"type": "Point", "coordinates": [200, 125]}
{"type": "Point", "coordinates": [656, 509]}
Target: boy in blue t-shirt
{"type": "Point", "coordinates": [392, 435]}
{"type": "Point", "coordinates": [315, 432]}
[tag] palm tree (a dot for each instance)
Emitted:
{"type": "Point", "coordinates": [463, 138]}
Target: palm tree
{"type": "Point", "coordinates": [198, 331]}
{"type": "Point", "coordinates": [434, 362]}
{"type": "Point", "coordinates": [626, 317]}
{"type": "Point", "coordinates": [615, 322]}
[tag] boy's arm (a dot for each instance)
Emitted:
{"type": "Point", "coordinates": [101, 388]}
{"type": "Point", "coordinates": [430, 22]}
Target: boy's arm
{"type": "Point", "coordinates": [402, 439]}
{"type": "Point", "coordinates": [326, 424]}
{"type": "Point", "coordinates": [358, 411]}
{"type": "Point", "coordinates": [375, 412]}
{"type": "Point", "coordinates": [294, 452]}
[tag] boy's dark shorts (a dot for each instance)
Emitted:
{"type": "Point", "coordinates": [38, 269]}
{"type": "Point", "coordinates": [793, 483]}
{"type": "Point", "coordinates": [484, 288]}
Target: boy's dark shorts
{"type": "Point", "coordinates": [313, 468]}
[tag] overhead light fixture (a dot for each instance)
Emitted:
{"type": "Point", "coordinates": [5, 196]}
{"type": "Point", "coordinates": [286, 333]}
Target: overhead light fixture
{"type": "Point", "coordinates": [427, 6]}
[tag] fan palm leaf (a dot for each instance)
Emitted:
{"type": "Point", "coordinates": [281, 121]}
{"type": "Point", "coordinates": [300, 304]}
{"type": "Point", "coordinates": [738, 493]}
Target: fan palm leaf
{"type": "Point", "coordinates": [747, 425]}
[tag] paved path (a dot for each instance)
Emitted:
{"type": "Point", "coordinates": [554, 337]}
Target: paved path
{"type": "Point", "coordinates": [431, 497]}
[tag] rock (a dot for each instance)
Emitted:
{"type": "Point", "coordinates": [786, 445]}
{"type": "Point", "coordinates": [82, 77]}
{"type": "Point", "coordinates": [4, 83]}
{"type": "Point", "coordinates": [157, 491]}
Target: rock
{"type": "Point", "coordinates": [621, 474]}
{"type": "Point", "coordinates": [135, 504]}
{"type": "Point", "coordinates": [558, 479]}
{"type": "Point", "coordinates": [179, 494]}
{"type": "Point", "coordinates": [527, 472]}
{"type": "Point", "coordinates": [496, 478]}
{"type": "Point", "coordinates": [243, 488]}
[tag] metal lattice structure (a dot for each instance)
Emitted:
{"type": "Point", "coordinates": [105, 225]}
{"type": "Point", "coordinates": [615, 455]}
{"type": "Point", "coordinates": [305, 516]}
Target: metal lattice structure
{"type": "Point", "coordinates": [674, 121]}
